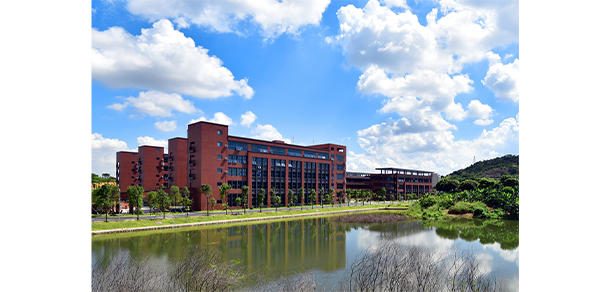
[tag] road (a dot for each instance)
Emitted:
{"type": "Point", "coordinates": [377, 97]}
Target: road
{"type": "Point", "coordinates": [102, 218]}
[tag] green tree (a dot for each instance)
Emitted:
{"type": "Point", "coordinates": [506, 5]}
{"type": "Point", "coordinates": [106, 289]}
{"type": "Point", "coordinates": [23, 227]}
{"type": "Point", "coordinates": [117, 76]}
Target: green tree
{"type": "Point", "coordinates": [291, 198]}
{"type": "Point", "coordinates": [152, 199]}
{"type": "Point", "coordinates": [206, 190]}
{"type": "Point", "coordinates": [164, 201]}
{"type": "Point", "coordinates": [277, 201]}
{"type": "Point", "coordinates": [321, 197]}
{"type": "Point", "coordinates": [174, 194]}
{"type": "Point", "coordinates": [260, 196]}
{"type": "Point", "coordinates": [301, 194]}
{"type": "Point", "coordinates": [224, 188]}
{"type": "Point", "coordinates": [341, 195]}
{"type": "Point", "coordinates": [187, 202]}
{"type": "Point", "coordinates": [348, 194]}
{"type": "Point", "coordinates": [272, 195]}
{"type": "Point", "coordinates": [469, 185]}
{"type": "Point", "coordinates": [104, 199]}
{"type": "Point", "coordinates": [447, 185]}
{"type": "Point", "coordinates": [244, 194]}
{"type": "Point", "coordinates": [115, 198]}
{"type": "Point", "coordinates": [136, 195]}
{"type": "Point", "coordinates": [330, 197]}
{"type": "Point", "coordinates": [383, 193]}
{"type": "Point", "coordinates": [509, 181]}
{"type": "Point", "coordinates": [238, 201]}
{"type": "Point", "coordinates": [312, 197]}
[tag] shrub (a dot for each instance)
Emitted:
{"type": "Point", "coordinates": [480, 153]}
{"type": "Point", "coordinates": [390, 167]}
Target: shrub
{"type": "Point", "coordinates": [489, 214]}
{"type": "Point", "coordinates": [466, 207]}
{"type": "Point", "coordinates": [443, 201]}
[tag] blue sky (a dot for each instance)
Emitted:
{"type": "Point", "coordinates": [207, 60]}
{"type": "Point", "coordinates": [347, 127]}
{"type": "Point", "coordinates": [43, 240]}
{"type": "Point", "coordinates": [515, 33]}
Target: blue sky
{"type": "Point", "coordinates": [413, 84]}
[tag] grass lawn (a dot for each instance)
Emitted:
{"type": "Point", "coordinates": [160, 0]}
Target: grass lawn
{"type": "Point", "coordinates": [195, 219]}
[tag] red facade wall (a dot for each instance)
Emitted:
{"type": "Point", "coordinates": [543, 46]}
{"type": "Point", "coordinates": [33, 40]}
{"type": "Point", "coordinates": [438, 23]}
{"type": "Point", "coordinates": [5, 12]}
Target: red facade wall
{"type": "Point", "coordinates": [150, 162]}
{"type": "Point", "coordinates": [177, 162]}
{"type": "Point", "coordinates": [126, 172]}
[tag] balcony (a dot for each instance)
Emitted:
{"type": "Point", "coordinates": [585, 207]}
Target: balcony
{"type": "Point", "coordinates": [170, 169]}
{"type": "Point", "coordinates": [191, 149]}
{"type": "Point", "coordinates": [171, 179]}
{"type": "Point", "coordinates": [191, 162]}
{"type": "Point", "coordinates": [171, 158]}
{"type": "Point", "coordinates": [191, 176]}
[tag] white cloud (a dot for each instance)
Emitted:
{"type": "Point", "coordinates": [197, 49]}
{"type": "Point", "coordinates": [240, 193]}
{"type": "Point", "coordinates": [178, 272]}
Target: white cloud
{"type": "Point", "coordinates": [156, 103]}
{"type": "Point", "coordinates": [219, 118]}
{"type": "Point", "coordinates": [273, 17]}
{"type": "Point", "coordinates": [483, 122]}
{"type": "Point", "coordinates": [161, 59]}
{"type": "Point", "coordinates": [166, 126]}
{"type": "Point", "coordinates": [103, 153]}
{"type": "Point", "coordinates": [478, 110]}
{"type": "Point", "coordinates": [247, 118]}
{"type": "Point", "coordinates": [150, 141]}
{"type": "Point", "coordinates": [503, 80]}
{"type": "Point", "coordinates": [390, 144]}
{"type": "Point", "coordinates": [268, 132]}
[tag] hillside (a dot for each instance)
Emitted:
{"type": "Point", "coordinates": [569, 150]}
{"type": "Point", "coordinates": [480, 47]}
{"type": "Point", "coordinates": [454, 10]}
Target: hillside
{"type": "Point", "coordinates": [493, 168]}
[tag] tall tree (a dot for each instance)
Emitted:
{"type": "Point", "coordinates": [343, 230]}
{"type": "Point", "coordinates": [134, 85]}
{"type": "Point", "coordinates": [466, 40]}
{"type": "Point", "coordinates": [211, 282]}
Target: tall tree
{"type": "Point", "coordinates": [186, 199]}
{"type": "Point", "coordinates": [291, 198]}
{"type": "Point", "coordinates": [301, 193]}
{"type": "Point", "coordinates": [224, 188]}
{"type": "Point", "coordinates": [164, 201]}
{"type": "Point", "coordinates": [174, 195]}
{"type": "Point", "coordinates": [272, 197]}
{"type": "Point", "coordinates": [260, 196]}
{"type": "Point", "coordinates": [152, 200]}
{"type": "Point", "coordinates": [277, 201]}
{"type": "Point", "coordinates": [206, 190]}
{"type": "Point", "coordinates": [104, 199]}
{"type": "Point", "coordinates": [383, 193]}
{"type": "Point", "coordinates": [136, 195]}
{"type": "Point", "coordinates": [330, 197]}
{"type": "Point", "coordinates": [115, 193]}
{"type": "Point", "coordinates": [348, 195]}
{"type": "Point", "coordinates": [312, 197]}
{"type": "Point", "coordinates": [244, 195]}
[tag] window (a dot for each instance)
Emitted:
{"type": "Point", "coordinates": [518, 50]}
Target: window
{"type": "Point", "coordinates": [238, 146]}
{"type": "Point", "coordinates": [258, 148]}
{"type": "Point", "coordinates": [219, 156]}
{"type": "Point", "coordinates": [219, 183]}
{"type": "Point", "coordinates": [158, 150]}
{"type": "Point", "coordinates": [293, 152]}
{"type": "Point", "coordinates": [133, 155]}
{"type": "Point", "coordinates": [219, 144]}
{"type": "Point", "coordinates": [309, 154]}
{"type": "Point", "coordinates": [339, 166]}
{"type": "Point", "coordinates": [219, 170]}
{"type": "Point", "coordinates": [219, 132]}
{"type": "Point", "coordinates": [323, 155]}
{"type": "Point", "coordinates": [278, 150]}
{"type": "Point", "coordinates": [237, 159]}
{"type": "Point", "coordinates": [233, 171]}
{"type": "Point", "coordinates": [332, 157]}
{"type": "Point", "coordinates": [339, 176]}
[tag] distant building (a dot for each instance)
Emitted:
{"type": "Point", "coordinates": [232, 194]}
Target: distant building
{"type": "Point", "coordinates": [394, 180]}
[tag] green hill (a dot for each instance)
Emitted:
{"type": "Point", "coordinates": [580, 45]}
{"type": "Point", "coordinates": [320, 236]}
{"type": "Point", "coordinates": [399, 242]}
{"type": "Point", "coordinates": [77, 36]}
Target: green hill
{"type": "Point", "coordinates": [493, 168]}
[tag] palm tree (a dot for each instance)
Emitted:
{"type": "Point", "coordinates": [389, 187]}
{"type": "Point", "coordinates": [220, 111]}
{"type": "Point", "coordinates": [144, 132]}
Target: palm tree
{"type": "Point", "coordinates": [206, 190]}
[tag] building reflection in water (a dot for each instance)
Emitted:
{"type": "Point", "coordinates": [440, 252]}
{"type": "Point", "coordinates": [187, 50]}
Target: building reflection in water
{"type": "Point", "coordinates": [272, 249]}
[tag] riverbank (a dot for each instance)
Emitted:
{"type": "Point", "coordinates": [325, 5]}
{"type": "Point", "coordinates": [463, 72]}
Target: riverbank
{"type": "Point", "coordinates": [99, 228]}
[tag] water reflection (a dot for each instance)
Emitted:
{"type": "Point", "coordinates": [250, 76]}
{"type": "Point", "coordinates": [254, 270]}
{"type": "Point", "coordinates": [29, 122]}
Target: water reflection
{"type": "Point", "coordinates": [281, 248]}
{"type": "Point", "coordinates": [272, 249]}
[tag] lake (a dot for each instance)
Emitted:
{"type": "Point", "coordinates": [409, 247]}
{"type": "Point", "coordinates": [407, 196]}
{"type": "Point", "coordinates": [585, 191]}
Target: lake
{"type": "Point", "coordinates": [322, 246]}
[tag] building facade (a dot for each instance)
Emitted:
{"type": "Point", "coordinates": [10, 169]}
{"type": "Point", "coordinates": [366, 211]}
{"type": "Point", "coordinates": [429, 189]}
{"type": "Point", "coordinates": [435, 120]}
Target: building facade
{"type": "Point", "coordinates": [396, 181]}
{"type": "Point", "coordinates": [209, 155]}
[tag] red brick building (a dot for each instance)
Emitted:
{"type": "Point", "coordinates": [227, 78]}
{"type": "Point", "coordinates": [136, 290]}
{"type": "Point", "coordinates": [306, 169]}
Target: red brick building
{"type": "Point", "coordinates": [211, 156]}
{"type": "Point", "coordinates": [394, 180]}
